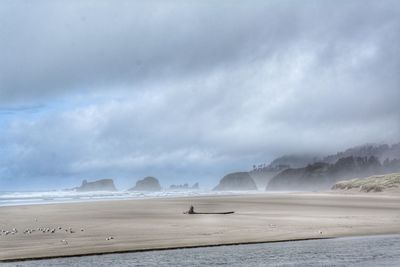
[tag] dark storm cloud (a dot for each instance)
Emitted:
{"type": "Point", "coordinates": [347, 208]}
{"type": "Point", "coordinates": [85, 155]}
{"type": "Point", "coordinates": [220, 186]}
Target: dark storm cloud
{"type": "Point", "coordinates": [192, 89]}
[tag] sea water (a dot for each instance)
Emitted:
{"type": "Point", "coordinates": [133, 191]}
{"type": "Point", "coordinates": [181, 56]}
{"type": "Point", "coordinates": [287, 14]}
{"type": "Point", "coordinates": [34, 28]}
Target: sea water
{"type": "Point", "coordinates": [47, 197]}
{"type": "Point", "coordinates": [351, 251]}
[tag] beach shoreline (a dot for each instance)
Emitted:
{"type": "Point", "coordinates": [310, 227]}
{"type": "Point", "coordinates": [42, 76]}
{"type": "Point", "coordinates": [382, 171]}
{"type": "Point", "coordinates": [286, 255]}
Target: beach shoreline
{"type": "Point", "coordinates": [167, 248]}
{"type": "Point", "coordinates": [159, 224]}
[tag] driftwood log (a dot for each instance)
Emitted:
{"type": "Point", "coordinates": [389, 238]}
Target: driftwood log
{"type": "Point", "coordinates": [191, 211]}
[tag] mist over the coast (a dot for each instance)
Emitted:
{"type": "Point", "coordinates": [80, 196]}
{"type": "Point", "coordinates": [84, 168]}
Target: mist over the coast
{"type": "Point", "coordinates": [189, 91]}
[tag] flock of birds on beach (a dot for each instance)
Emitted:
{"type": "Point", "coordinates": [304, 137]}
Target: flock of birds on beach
{"type": "Point", "coordinates": [45, 230]}
{"type": "Point", "coordinates": [67, 230]}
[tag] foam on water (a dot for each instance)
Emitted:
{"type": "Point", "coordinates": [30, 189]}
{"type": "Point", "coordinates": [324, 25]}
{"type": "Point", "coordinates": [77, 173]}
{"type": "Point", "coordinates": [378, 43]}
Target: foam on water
{"type": "Point", "coordinates": [46, 197]}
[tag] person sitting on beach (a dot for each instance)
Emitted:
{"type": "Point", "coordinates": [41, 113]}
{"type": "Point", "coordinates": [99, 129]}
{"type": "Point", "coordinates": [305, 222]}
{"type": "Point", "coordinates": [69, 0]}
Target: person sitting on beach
{"type": "Point", "coordinates": [191, 209]}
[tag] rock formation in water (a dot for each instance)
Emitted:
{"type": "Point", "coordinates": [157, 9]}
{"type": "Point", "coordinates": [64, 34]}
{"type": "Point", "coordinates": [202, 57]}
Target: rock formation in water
{"type": "Point", "coordinates": [236, 181]}
{"type": "Point", "coordinates": [147, 184]}
{"type": "Point", "coordinates": [184, 186]}
{"type": "Point", "coordinates": [99, 185]}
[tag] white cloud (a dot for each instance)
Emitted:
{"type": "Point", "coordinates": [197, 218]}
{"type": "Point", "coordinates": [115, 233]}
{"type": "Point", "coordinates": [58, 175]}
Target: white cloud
{"type": "Point", "coordinates": [189, 93]}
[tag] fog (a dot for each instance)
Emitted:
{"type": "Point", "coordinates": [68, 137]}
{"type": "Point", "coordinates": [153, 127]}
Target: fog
{"type": "Point", "coordinates": [189, 91]}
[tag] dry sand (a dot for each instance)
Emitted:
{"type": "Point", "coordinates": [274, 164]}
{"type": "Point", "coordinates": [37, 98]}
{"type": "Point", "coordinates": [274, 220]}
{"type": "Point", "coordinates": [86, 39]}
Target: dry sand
{"type": "Point", "coordinates": [160, 223]}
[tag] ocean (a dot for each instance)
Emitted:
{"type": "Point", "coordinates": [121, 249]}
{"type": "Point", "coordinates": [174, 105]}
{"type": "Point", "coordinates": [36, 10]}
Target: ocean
{"type": "Point", "coordinates": [48, 197]}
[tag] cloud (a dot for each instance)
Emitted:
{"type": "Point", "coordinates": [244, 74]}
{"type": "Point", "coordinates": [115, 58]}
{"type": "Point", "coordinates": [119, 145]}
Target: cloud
{"type": "Point", "coordinates": [190, 91]}
{"type": "Point", "coordinates": [63, 47]}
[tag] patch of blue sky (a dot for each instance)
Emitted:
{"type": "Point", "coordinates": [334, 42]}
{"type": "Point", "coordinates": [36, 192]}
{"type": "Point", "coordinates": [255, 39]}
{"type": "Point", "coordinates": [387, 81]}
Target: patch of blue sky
{"type": "Point", "coordinates": [8, 114]}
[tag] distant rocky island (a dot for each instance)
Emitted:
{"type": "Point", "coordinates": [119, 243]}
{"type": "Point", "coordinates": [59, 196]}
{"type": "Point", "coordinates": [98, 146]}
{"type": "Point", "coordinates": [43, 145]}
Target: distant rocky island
{"type": "Point", "coordinates": [236, 181]}
{"type": "Point", "coordinates": [148, 183]}
{"type": "Point", "coordinates": [99, 185]}
{"type": "Point", "coordinates": [184, 186]}
{"type": "Point", "coordinates": [377, 183]}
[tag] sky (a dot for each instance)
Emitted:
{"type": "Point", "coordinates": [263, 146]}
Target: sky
{"type": "Point", "coordinates": [188, 91]}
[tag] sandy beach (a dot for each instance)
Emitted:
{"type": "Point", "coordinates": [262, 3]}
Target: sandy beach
{"type": "Point", "coordinates": [134, 225]}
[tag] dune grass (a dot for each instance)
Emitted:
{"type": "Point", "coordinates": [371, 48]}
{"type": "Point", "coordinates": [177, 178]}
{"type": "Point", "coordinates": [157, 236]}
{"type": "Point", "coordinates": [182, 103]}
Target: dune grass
{"type": "Point", "coordinates": [376, 183]}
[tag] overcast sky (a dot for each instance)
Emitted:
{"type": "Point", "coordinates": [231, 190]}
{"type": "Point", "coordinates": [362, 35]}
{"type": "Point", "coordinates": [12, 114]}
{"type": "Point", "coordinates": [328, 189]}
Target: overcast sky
{"type": "Point", "coordinates": [189, 90]}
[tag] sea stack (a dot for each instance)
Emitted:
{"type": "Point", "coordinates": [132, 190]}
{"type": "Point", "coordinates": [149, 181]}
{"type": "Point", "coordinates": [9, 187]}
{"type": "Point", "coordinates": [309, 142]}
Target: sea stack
{"type": "Point", "coordinates": [99, 185]}
{"type": "Point", "coordinates": [147, 184]}
{"type": "Point", "coordinates": [236, 181]}
{"type": "Point", "coordinates": [184, 186]}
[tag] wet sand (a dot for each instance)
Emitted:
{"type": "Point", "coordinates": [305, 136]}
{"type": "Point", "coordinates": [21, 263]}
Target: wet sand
{"type": "Point", "coordinates": [136, 225]}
